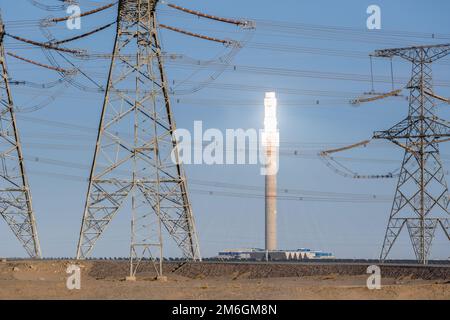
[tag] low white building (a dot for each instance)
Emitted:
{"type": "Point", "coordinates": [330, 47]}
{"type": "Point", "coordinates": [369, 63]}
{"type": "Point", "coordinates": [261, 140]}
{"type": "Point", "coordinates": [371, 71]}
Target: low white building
{"type": "Point", "coordinates": [278, 255]}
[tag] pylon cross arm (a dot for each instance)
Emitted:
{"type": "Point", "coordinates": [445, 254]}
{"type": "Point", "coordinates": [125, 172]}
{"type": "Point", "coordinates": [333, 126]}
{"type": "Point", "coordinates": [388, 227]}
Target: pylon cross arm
{"type": "Point", "coordinates": [425, 54]}
{"type": "Point", "coordinates": [402, 129]}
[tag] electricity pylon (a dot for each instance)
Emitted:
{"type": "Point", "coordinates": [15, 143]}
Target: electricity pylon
{"type": "Point", "coordinates": [421, 198]}
{"type": "Point", "coordinates": [15, 197]}
{"type": "Point", "coordinates": [134, 146]}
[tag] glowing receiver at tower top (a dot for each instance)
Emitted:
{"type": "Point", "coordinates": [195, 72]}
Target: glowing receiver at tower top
{"type": "Point", "coordinates": [271, 135]}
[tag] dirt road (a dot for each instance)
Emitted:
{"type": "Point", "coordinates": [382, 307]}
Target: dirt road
{"type": "Point", "coordinates": [106, 280]}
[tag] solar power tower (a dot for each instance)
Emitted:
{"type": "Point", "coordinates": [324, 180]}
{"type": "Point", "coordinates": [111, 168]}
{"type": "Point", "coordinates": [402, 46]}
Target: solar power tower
{"type": "Point", "coordinates": [421, 198]}
{"type": "Point", "coordinates": [15, 196]}
{"type": "Point", "coordinates": [132, 159]}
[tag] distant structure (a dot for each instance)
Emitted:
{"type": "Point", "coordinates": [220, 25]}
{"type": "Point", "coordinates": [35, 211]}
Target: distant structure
{"type": "Point", "coordinates": [270, 141]}
{"type": "Point", "coordinates": [255, 254]}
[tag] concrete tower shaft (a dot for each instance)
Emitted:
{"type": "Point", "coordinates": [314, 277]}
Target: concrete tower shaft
{"type": "Point", "coordinates": [271, 143]}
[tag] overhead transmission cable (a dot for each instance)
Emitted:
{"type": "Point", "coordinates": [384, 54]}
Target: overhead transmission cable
{"type": "Point", "coordinates": [47, 7]}
{"type": "Point", "coordinates": [40, 64]}
{"type": "Point", "coordinates": [342, 170]}
{"type": "Point", "coordinates": [372, 95]}
{"type": "Point", "coordinates": [243, 23]}
{"type": "Point", "coordinates": [45, 45]}
{"type": "Point", "coordinates": [83, 14]}
{"type": "Point", "coordinates": [85, 34]}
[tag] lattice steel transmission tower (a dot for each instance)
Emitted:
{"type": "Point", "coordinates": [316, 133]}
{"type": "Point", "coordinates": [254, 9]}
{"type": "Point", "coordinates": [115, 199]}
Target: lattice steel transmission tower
{"type": "Point", "coordinates": [15, 196]}
{"type": "Point", "coordinates": [133, 151]}
{"type": "Point", "coordinates": [421, 198]}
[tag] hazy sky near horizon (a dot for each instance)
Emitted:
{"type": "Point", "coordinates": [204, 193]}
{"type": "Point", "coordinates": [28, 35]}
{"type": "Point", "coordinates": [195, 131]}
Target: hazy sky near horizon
{"type": "Point", "coordinates": [306, 51]}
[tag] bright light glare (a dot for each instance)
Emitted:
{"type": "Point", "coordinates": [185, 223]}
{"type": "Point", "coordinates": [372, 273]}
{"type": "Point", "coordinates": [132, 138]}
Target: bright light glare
{"type": "Point", "coordinates": [270, 133]}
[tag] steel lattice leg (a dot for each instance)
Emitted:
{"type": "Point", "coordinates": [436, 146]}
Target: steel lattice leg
{"type": "Point", "coordinates": [15, 197]}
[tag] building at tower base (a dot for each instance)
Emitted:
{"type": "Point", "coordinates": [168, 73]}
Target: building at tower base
{"type": "Point", "coordinates": [255, 254]}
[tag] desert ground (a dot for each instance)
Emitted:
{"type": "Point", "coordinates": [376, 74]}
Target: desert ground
{"type": "Point", "coordinates": [46, 279]}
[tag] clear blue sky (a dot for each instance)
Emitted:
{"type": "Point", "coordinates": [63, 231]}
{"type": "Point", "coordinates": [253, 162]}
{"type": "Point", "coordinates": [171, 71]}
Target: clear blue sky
{"type": "Point", "coordinates": [336, 31]}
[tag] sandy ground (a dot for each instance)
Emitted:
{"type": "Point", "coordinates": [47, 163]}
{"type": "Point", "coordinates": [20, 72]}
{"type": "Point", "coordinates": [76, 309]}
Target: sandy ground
{"type": "Point", "coordinates": [47, 280]}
